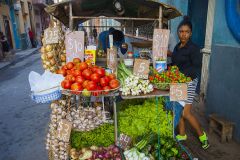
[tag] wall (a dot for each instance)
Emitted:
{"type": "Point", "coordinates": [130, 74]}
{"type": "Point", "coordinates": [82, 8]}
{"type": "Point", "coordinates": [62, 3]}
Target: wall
{"type": "Point", "coordinates": [223, 86]}
{"type": "Point", "coordinates": [222, 34]}
{"type": "Point", "coordinates": [198, 19]}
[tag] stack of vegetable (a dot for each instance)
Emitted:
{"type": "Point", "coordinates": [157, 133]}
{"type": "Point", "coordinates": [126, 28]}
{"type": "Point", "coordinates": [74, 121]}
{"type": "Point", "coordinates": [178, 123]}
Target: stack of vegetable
{"type": "Point", "coordinates": [101, 136]}
{"type": "Point", "coordinates": [83, 78]}
{"type": "Point", "coordinates": [96, 153]}
{"type": "Point", "coordinates": [132, 85]}
{"type": "Point", "coordinates": [54, 55]}
{"type": "Point", "coordinates": [137, 120]}
{"type": "Point", "coordinates": [172, 75]}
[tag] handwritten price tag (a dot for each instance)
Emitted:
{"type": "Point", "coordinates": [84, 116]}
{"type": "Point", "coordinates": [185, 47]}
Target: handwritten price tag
{"type": "Point", "coordinates": [112, 59]}
{"type": "Point", "coordinates": [160, 44]}
{"type": "Point", "coordinates": [51, 35]}
{"type": "Point", "coordinates": [124, 141]}
{"type": "Point", "coordinates": [141, 68]}
{"type": "Point", "coordinates": [64, 130]}
{"type": "Point", "coordinates": [74, 42]}
{"type": "Point", "coordinates": [178, 92]}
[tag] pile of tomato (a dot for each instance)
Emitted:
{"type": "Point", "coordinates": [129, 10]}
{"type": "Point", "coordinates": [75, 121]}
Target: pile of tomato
{"type": "Point", "coordinates": [83, 78]}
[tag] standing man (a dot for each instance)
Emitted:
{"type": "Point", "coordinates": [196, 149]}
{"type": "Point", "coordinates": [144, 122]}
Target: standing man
{"type": "Point", "coordinates": [95, 34]}
{"type": "Point", "coordinates": [31, 36]}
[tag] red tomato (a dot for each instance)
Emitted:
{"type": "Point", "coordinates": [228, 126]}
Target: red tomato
{"type": "Point", "coordinates": [66, 84]}
{"type": "Point", "coordinates": [64, 67]}
{"type": "Point", "coordinates": [77, 73]}
{"type": "Point", "coordinates": [106, 89]}
{"type": "Point", "coordinates": [100, 71]}
{"type": "Point", "coordinates": [62, 72]}
{"type": "Point", "coordinates": [114, 83]}
{"type": "Point", "coordinates": [76, 87]}
{"type": "Point", "coordinates": [94, 68]}
{"type": "Point", "coordinates": [85, 83]}
{"type": "Point", "coordinates": [87, 74]}
{"type": "Point", "coordinates": [112, 76]}
{"type": "Point", "coordinates": [79, 79]}
{"type": "Point", "coordinates": [70, 65]}
{"type": "Point", "coordinates": [76, 60]}
{"type": "Point", "coordinates": [95, 77]}
{"type": "Point", "coordinates": [91, 86]}
{"type": "Point", "coordinates": [70, 77]}
{"type": "Point", "coordinates": [83, 66]}
{"type": "Point", "coordinates": [107, 78]}
{"type": "Point", "coordinates": [103, 82]}
{"type": "Point", "coordinates": [68, 72]}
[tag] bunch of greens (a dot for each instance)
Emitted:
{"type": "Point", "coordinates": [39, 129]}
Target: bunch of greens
{"type": "Point", "coordinates": [137, 120]}
{"type": "Point", "coordinates": [101, 136]}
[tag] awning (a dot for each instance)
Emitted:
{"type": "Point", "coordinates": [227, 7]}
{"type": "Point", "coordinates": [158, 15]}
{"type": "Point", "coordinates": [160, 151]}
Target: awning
{"type": "Point", "coordinates": [96, 8]}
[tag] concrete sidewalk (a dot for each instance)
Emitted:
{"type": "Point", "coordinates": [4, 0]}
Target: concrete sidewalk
{"type": "Point", "coordinates": [17, 56]}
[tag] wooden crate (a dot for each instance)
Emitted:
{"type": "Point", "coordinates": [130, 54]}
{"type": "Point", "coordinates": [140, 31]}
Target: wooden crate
{"type": "Point", "coordinates": [221, 126]}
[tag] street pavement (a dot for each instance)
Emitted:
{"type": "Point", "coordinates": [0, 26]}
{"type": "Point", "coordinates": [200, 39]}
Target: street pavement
{"type": "Point", "coordinates": [23, 123]}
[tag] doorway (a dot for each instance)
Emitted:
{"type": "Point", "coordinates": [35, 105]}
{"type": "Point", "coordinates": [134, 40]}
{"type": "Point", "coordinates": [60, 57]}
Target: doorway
{"type": "Point", "coordinates": [7, 31]}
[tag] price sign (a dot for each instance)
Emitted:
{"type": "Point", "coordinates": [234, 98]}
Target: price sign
{"type": "Point", "coordinates": [74, 42]}
{"type": "Point", "coordinates": [112, 59]}
{"type": "Point", "coordinates": [178, 92]}
{"type": "Point", "coordinates": [124, 141]}
{"type": "Point", "coordinates": [51, 35]}
{"type": "Point", "coordinates": [160, 44]}
{"type": "Point", "coordinates": [64, 130]}
{"type": "Point", "coordinates": [141, 68]}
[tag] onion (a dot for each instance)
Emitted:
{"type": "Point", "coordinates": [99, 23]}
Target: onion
{"type": "Point", "coordinates": [118, 158]}
{"type": "Point", "coordinates": [115, 150]}
{"type": "Point", "coordinates": [107, 155]}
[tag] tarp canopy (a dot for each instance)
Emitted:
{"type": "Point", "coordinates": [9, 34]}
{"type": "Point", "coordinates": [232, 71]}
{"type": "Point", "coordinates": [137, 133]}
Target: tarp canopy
{"type": "Point", "coordinates": [95, 8]}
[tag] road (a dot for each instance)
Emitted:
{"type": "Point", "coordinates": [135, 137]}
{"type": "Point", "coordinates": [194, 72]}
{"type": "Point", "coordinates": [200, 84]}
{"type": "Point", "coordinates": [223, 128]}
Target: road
{"type": "Point", "coordinates": [23, 123]}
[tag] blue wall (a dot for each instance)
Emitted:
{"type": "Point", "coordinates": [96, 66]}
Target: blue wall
{"type": "Point", "coordinates": [224, 73]}
{"type": "Point", "coordinates": [221, 33]}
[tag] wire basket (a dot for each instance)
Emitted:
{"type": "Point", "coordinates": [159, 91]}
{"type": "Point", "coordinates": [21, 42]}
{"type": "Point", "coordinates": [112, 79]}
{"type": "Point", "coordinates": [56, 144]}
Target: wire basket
{"type": "Point", "coordinates": [46, 96]}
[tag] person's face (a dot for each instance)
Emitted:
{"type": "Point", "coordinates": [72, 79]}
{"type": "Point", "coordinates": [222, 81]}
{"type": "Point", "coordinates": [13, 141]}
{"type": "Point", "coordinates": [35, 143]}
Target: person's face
{"type": "Point", "coordinates": [184, 33]}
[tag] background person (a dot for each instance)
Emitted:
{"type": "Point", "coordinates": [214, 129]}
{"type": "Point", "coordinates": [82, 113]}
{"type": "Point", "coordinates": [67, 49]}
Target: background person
{"type": "Point", "coordinates": [187, 57]}
{"type": "Point", "coordinates": [4, 44]}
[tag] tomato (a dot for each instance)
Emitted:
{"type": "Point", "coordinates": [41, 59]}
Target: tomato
{"type": "Point", "coordinates": [64, 67]}
{"type": "Point", "coordinates": [100, 71]}
{"type": "Point", "coordinates": [85, 83]}
{"type": "Point", "coordinates": [91, 86]}
{"type": "Point", "coordinates": [106, 89]}
{"type": "Point", "coordinates": [94, 68]}
{"type": "Point", "coordinates": [107, 78]}
{"type": "Point", "coordinates": [70, 77]}
{"type": "Point", "coordinates": [62, 72]}
{"type": "Point", "coordinates": [87, 74]}
{"type": "Point", "coordinates": [114, 83]}
{"type": "Point", "coordinates": [103, 82]}
{"type": "Point", "coordinates": [83, 66]}
{"type": "Point", "coordinates": [76, 87]}
{"type": "Point", "coordinates": [70, 65]}
{"type": "Point", "coordinates": [112, 76]}
{"type": "Point", "coordinates": [77, 73]}
{"type": "Point", "coordinates": [95, 77]}
{"type": "Point", "coordinates": [66, 84]}
{"type": "Point", "coordinates": [79, 79]}
{"type": "Point", "coordinates": [76, 60]}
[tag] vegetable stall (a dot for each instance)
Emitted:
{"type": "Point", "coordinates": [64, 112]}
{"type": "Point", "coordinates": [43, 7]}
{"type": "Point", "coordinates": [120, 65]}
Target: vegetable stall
{"type": "Point", "coordinates": [112, 111]}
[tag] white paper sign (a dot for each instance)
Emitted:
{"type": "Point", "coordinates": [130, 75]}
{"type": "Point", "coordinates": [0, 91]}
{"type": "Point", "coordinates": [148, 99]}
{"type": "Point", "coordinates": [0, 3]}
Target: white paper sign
{"type": "Point", "coordinates": [74, 42]}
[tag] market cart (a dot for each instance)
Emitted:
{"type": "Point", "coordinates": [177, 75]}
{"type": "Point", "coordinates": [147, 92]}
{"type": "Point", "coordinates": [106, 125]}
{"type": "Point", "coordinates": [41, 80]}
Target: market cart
{"type": "Point", "coordinates": [71, 13]}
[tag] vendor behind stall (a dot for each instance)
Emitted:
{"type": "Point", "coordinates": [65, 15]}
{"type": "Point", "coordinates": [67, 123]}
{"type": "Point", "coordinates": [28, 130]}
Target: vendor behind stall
{"type": "Point", "coordinates": [103, 39]}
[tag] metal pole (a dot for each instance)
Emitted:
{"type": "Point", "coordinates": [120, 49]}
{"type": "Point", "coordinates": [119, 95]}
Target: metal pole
{"type": "Point", "coordinates": [160, 17]}
{"type": "Point", "coordinates": [133, 28]}
{"type": "Point", "coordinates": [115, 120]}
{"type": "Point", "coordinates": [70, 17]}
{"type": "Point", "coordinates": [121, 18]}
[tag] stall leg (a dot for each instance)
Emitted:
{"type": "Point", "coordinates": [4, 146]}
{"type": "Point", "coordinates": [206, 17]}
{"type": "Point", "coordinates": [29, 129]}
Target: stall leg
{"type": "Point", "coordinates": [115, 120]}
